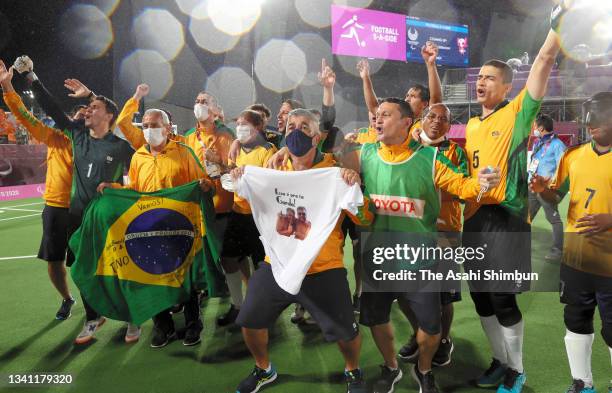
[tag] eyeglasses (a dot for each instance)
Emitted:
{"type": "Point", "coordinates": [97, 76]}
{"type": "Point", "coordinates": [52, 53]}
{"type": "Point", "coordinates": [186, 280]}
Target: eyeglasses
{"type": "Point", "coordinates": [434, 117]}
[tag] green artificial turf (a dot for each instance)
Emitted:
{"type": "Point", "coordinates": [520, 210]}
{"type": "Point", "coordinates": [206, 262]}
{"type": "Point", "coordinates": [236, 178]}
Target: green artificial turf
{"type": "Point", "coordinates": [31, 340]}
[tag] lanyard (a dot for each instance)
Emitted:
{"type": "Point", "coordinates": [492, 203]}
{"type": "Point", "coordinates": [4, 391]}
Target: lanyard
{"type": "Point", "coordinates": [545, 147]}
{"type": "Point", "coordinates": [202, 142]}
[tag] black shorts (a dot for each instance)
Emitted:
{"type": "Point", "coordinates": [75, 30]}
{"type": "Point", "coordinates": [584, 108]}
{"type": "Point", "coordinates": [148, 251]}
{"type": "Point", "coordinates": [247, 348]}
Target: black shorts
{"type": "Point", "coordinates": [376, 308]}
{"type": "Point", "coordinates": [601, 300]}
{"type": "Point", "coordinates": [350, 228]}
{"type": "Point", "coordinates": [241, 238]}
{"type": "Point", "coordinates": [506, 241]}
{"type": "Point", "coordinates": [54, 243]}
{"type": "Point", "coordinates": [447, 298]}
{"type": "Point", "coordinates": [325, 295]}
{"type": "Point", "coordinates": [74, 222]}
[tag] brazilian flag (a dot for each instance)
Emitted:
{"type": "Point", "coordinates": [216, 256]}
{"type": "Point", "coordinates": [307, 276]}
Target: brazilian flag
{"type": "Point", "coordinates": [138, 254]}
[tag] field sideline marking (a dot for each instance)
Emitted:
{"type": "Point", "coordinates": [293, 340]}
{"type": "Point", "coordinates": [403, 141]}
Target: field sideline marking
{"type": "Point", "coordinates": [15, 218]}
{"type": "Point", "coordinates": [25, 204]}
{"type": "Point", "coordinates": [22, 257]}
{"type": "Point", "coordinates": [20, 210]}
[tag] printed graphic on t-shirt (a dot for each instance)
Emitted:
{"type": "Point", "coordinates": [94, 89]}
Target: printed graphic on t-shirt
{"type": "Point", "coordinates": [295, 216]}
{"type": "Point", "coordinates": [293, 225]}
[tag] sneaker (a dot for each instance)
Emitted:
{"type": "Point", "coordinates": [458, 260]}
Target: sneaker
{"type": "Point", "coordinates": [177, 308]}
{"type": "Point", "coordinates": [513, 382]}
{"type": "Point", "coordinates": [308, 319]}
{"type": "Point", "coordinates": [554, 255]}
{"type": "Point", "coordinates": [356, 304]}
{"type": "Point", "coordinates": [410, 351]}
{"type": "Point", "coordinates": [443, 354]}
{"type": "Point", "coordinates": [132, 334]}
{"type": "Point", "coordinates": [192, 335]}
{"type": "Point", "coordinates": [88, 331]}
{"type": "Point", "coordinates": [578, 387]}
{"type": "Point", "coordinates": [298, 314]}
{"type": "Point", "coordinates": [354, 381]}
{"type": "Point", "coordinates": [387, 380]}
{"type": "Point", "coordinates": [161, 338]}
{"type": "Point", "coordinates": [256, 380]}
{"type": "Point", "coordinates": [492, 376]}
{"type": "Point", "coordinates": [229, 317]}
{"type": "Point", "coordinates": [64, 311]}
{"type": "Point", "coordinates": [427, 383]}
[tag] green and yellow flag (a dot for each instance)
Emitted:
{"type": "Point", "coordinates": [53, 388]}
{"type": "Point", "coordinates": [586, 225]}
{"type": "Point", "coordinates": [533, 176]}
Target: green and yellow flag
{"type": "Point", "coordinates": [138, 254]}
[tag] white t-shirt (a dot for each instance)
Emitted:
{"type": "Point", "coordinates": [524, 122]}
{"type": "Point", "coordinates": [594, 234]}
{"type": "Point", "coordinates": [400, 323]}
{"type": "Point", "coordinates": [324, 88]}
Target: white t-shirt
{"type": "Point", "coordinates": [295, 212]}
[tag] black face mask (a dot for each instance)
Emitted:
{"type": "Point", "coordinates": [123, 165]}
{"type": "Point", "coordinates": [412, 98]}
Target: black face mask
{"type": "Point", "coordinates": [298, 142]}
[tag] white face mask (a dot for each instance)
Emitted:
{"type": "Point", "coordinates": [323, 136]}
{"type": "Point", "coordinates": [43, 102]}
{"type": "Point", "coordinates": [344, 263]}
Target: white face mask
{"type": "Point", "coordinates": [154, 136]}
{"type": "Point", "coordinates": [243, 133]}
{"type": "Point", "coordinates": [201, 112]}
{"type": "Point", "coordinates": [428, 141]}
{"type": "Point", "coordinates": [537, 133]}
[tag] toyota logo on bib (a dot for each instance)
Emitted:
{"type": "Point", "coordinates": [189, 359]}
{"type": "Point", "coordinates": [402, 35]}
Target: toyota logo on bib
{"type": "Point", "coordinates": [398, 206]}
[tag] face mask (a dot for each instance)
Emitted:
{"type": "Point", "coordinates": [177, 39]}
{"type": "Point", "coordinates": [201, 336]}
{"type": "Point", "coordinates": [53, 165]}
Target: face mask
{"type": "Point", "coordinates": [537, 133]}
{"type": "Point", "coordinates": [428, 141]}
{"type": "Point", "coordinates": [243, 133]}
{"type": "Point", "coordinates": [298, 143]}
{"type": "Point", "coordinates": [154, 136]}
{"type": "Point", "coordinates": [201, 112]}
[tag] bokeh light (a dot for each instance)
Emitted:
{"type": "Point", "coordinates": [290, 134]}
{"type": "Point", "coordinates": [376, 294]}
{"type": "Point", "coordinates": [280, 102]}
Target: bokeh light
{"type": "Point", "coordinates": [236, 17]}
{"type": "Point", "coordinates": [146, 66]}
{"type": "Point", "coordinates": [436, 10]}
{"type": "Point", "coordinates": [206, 35]}
{"type": "Point", "coordinates": [106, 6]}
{"type": "Point", "coordinates": [354, 3]}
{"type": "Point", "coordinates": [349, 64]}
{"type": "Point", "coordinates": [280, 65]}
{"type": "Point", "coordinates": [585, 34]}
{"type": "Point", "coordinates": [159, 30]}
{"type": "Point", "coordinates": [86, 31]}
{"type": "Point", "coordinates": [535, 9]}
{"type": "Point", "coordinates": [234, 89]}
{"type": "Point", "coordinates": [316, 13]}
{"type": "Point", "coordinates": [187, 6]}
{"type": "Point", "coordinates": [315, 48]}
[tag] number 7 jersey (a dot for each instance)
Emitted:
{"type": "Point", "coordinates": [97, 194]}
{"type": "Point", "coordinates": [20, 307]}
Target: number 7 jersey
{"type": "Point", "coordinates": [587, 176]}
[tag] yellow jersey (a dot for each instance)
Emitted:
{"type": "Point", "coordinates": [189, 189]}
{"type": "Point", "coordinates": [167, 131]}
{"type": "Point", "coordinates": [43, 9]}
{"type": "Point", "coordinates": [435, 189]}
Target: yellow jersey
{"type": "Point", "coordinates": [500, 140]}
{"type": "Point", "coordinates": [586, 174]}
{"type": "Point", "coordinates": [366, 135]}
{"type": "Point", "coordinates": [220, 139]}
{"type": "Point", "coordinates": [174, 166]}
{"type": "Point", "coordinates": [133, 134]}
{"type": "Point", "coordinates": [449, 219]}
{"type": "Point", "coordinates": [258, 156]}
{"type": "Point", "coordinates": [446, 177]}
{"type": "Point", "coordinates": [58, 182]}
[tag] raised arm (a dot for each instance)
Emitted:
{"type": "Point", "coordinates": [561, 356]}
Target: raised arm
{"type": "Point", "coordinates": [35, 127]}
{"type": "Point", "coordinates": [48, 104]}
{"type": "Point", "coordinates": [368, 89]}
{"type": "Point", "coordinates": [537, 81]}
{"type": "Point", "coordinates": [132, 134]}
{"type": "Point", "coordinates": [430, 53]}
{"type": "Point", "coordinates": [327, 79]}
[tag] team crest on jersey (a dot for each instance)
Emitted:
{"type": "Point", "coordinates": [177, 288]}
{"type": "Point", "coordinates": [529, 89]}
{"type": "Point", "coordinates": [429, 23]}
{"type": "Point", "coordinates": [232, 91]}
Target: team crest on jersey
{"type": "Point", "coordinates": [109, 159]}
{"type": "Point", "coordinates": [495, 134]}
{"type": "Point", "coordinates": [387, 205]}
